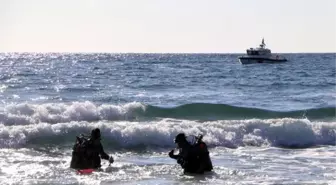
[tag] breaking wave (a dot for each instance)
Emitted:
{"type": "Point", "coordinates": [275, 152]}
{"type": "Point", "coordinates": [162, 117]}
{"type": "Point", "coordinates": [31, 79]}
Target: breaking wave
{"type": "Point", "coordinates": [136, 125]}
{"type": "Point", "coordinates": [283, 132]}
{"type": "Point", "coordinates": [25, 114]}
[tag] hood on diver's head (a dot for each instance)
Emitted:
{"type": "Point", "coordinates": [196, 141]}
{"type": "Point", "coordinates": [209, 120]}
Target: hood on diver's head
{"type": "Point", "coordinates": [95, 133]}
{"type": "Point", "coordinates": [180, 138]}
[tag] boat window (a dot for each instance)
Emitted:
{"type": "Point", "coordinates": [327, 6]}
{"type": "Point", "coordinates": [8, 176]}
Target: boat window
{"type": "Point", "coordinates": [254, 53]}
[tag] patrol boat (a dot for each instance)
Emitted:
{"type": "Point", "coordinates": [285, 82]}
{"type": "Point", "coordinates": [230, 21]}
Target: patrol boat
{"type": "Point", "coordinates": [260, 55]}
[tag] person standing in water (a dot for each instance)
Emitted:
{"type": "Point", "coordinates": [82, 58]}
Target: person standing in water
{"type": "Point", "coordinates": [87, 153]}
{"type": "Point", "coordinates": [192, 158]}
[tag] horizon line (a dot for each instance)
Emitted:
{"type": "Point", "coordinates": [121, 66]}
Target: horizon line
{"type": "Point", "coordinates": [103, 52]}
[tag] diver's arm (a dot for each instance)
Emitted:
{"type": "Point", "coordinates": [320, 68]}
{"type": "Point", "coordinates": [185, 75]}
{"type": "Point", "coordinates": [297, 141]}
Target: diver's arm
{"type": "Point", "coordinates": [171, 155]}
{"type": "Point", "coordinates": [102, 153]}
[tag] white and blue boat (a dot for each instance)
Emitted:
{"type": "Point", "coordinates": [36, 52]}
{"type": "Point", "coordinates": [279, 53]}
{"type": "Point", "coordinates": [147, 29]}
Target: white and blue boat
{"type": "Point", "coordinates": [260, 55]}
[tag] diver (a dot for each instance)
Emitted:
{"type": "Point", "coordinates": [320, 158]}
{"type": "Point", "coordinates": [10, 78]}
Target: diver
{"type": "Point", "coordinates": [88, 151]}
{"type": "Point", "coordinates": [193, 158]}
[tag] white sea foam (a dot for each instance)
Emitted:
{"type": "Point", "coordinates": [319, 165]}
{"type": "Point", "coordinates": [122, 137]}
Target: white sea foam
{"type": "Point", "coordinates": [3, 88]}
{"type": "Point", "coordinates": [124, 134]}
{"type": "Point", "coordinates": [24, 114]}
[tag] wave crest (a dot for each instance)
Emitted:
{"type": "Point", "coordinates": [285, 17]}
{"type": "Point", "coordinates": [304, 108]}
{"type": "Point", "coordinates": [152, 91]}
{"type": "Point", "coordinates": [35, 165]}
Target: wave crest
{"type": "Point", "coordinates": [286, 132]}
{"type": "Point", "coordinates": [25, 114]}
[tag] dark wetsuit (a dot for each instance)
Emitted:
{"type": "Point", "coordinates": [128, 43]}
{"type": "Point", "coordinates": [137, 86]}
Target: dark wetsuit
{"type": "Point", "coordinates": [193, 159]}
{"type": "Point", "coordinates": [88, 157]}
{"type": "Point", "coordinates": [204, 157]}
{"type": "Point", "coordinates": [97, 152]}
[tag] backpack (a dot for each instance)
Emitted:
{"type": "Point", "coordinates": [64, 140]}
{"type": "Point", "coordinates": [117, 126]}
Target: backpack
{"type": "Point", "coordinates": [82, 144]}
{"type": "Point", "coordinates": [197, 143]}
{"type": "Point", "coordinates": [202, 152]}
{"type": "Point", "coordinates": [81, 153]}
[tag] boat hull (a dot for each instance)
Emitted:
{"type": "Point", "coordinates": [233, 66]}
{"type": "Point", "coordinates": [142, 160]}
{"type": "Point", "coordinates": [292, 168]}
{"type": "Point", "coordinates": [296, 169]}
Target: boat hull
{"type": "Point", "coordinates": [254, 60]}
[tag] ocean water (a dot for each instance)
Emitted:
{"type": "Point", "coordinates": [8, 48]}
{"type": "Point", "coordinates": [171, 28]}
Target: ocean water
{"type": "Point", "coordinates": [264, 123]}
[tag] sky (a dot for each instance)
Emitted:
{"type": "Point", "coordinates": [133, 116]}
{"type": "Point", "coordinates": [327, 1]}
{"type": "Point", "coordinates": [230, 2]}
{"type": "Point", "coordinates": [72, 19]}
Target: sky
{"type": "Point", "coordinates": [167, 26]}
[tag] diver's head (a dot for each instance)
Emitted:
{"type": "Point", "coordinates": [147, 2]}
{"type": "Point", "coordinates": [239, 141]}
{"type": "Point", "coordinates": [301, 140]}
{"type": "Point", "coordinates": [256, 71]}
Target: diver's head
{"type": "Point", "coordinates": [95, 133]}
{"type": "Point", "coordinates": [180, 139]}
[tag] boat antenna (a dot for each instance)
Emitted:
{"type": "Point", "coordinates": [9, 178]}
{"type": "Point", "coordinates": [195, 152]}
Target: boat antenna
{"type": "Point", "coordinates": [262, 45]}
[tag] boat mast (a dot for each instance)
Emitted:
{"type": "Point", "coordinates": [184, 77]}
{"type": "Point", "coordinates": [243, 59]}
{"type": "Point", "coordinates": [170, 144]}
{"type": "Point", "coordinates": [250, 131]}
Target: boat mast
{"type": "Point", "coordinates": [262, 45]}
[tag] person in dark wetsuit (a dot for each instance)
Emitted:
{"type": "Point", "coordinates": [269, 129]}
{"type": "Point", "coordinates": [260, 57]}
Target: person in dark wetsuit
{"type": "Point", "coordinates": [192, 158]}
{"type": "Point", "coordinates": [87, 152]}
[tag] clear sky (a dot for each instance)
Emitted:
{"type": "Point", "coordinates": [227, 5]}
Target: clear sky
{"type": "Point", "coordinates": [167, 26]}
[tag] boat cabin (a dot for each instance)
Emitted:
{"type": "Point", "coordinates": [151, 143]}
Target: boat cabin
{"type": "Point", "coordinates": [262, 50]}
{"type": "Point", "coordinates": [258, 51]}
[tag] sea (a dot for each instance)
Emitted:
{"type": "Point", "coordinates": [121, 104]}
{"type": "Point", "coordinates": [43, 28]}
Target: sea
{"type": "Point", "coordinates": [263, 123]}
